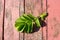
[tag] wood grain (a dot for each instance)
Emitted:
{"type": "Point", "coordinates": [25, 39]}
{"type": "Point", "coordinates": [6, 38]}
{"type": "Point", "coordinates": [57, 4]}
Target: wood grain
{"type": "Point", "coordinates": [34, 7]}
{"type": "Point", "coordinates": [15, 8]}
{"type": "Point", "coordinates": [21, 11]}
{"type": "Point", "coordinates": [45, 28]}
{"type": "Point", "coordinates": [11, 14]}
{"type": "Point", "coordinates": [1, 17]}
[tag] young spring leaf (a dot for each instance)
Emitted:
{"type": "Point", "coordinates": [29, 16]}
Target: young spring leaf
{"type": "Point", "coordinates": [37, 22]}
{"type": "Point", "coordinates": [25, 22]}
{"type": "Point", "coordinates": [20, 27]}
{"type": "Point", "coordinates": [31, 16]}
{"type": "Point", "coordinates": [30, 28]}
{"type": "Point", "coordinates": [43, 15]}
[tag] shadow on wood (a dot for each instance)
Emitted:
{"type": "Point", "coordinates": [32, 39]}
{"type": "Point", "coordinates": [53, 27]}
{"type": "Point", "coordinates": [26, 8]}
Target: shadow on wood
{"type": "Point", "coordinates": [42, 23]}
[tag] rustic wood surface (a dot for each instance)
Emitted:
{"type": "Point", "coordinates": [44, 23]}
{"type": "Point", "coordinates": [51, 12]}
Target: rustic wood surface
{"type": "Point", "coordinates": [1, 18]}
{"type": "Point", "coordinates": [10, 10]}
{"type": "Point", "coordinates": [11, 13]}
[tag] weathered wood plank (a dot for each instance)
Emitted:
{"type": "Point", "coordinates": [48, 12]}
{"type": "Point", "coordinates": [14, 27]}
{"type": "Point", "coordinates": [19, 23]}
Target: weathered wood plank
{"type": "Point", "coordinates": [45, 28]}
{"type": "Point", "coordinates": [34, 7]}
{"type": "Point", "coordinates": [21, 11]}
{"type": "Point", "coordinates": [11, 14]}
{"type": "Point", "coordinates": [1, 17]}
{"type": "Point", "coordinates": [54, 20]}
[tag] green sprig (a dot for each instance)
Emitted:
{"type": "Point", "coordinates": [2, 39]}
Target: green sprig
{"type": "Point", "coordinates": [25, 22]}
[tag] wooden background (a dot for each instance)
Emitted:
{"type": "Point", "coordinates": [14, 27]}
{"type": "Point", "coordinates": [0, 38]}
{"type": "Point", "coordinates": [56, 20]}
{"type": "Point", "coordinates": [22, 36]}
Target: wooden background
{"type": "Point", "coordinates": [10, 10]}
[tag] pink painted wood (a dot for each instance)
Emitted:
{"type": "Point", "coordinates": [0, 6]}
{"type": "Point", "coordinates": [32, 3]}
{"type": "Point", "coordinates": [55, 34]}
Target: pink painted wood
{"type": "Point", "coordinates": [21, 11]}
{"type": "Point", "coordinates": [15, 8]}
{"type": "Point", "coordinates": [45, 28]}
{"type": "Point", "coordinates": [1, 17]}
{"type": "Point", "coordinates": [11, 14]}
{"type": "Point", "coordinates": [54, 20]}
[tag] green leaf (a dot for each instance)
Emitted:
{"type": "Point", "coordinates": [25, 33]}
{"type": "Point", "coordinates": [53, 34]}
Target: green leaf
{"type": "Point", "coordinates": [37, 22]}
{"type": "Point", "coordinates": [30, 27]}
{"type": "Point", "coordinates": [23, 28]}
{"type": "Point", "coordinates": [19, 20]}
{"type": "Point", "coordinates": [20, 28]}
{"type": "Point", "coordinates": [26, 28]}
{"type": "Point", "coordinates": [27, 18]}
{"type": "Point", "coordinates": [31, 16]}
{"type": "Point", "coordinates": [18, 24]}
{"type": "Point", "coordinates": [24, 23]}
{"type": "Point", "coordinates": [43, 15]}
